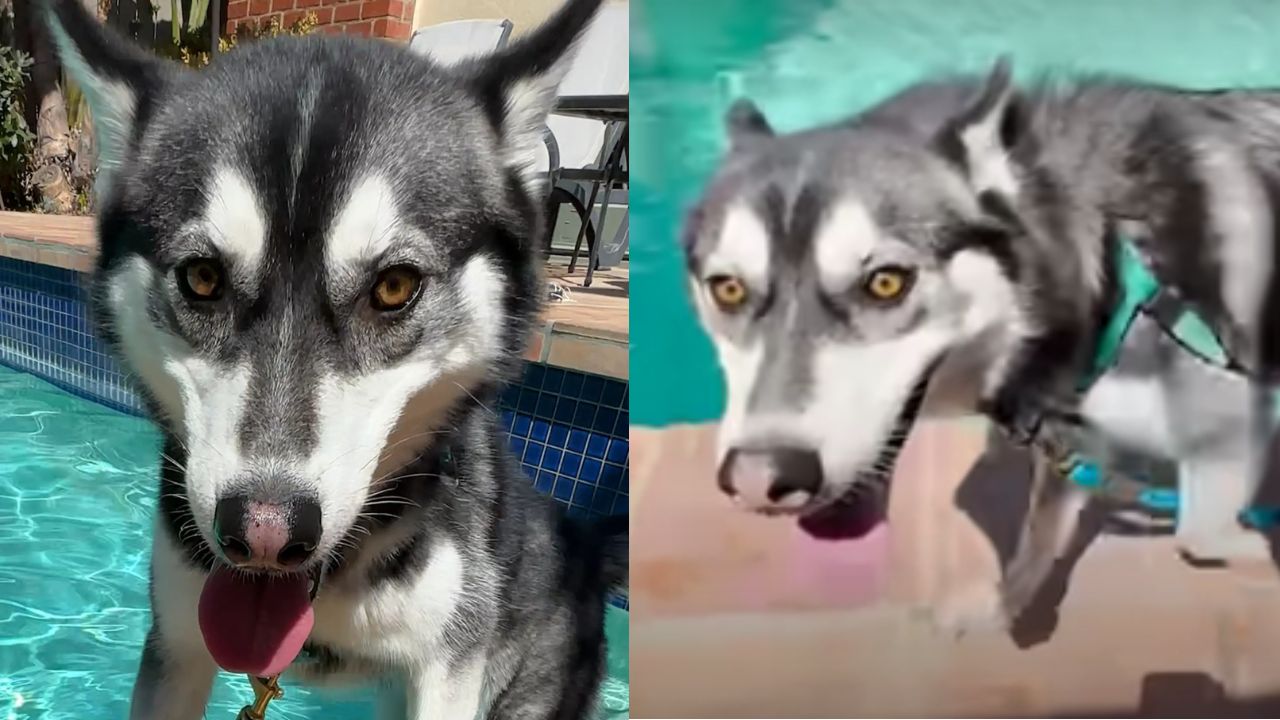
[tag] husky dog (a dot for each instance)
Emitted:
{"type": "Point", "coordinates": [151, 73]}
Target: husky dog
{"type": "Point", "coordinates": [953, 250]}
{"type": "Point", "coordinates": [320, 259]}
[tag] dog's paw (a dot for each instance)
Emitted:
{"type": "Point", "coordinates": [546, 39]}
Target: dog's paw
{"type": "Point", "coordinates": [977, 609]}
{"type": "Point", "coordinates": [1236, 548]}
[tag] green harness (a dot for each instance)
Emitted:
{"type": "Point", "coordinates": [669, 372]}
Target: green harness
{"type": "Point", "coordinates": [1141, 293]}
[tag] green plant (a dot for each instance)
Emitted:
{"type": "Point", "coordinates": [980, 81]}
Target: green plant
{"type": "Point", "coordinates": [193, 49]}
{"type": "Point", "coordinates": [16, 137]}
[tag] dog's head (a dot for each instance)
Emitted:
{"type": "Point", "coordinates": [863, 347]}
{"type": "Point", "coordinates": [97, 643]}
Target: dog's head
{"type": "Point", "coordinates": [840, 271]}
{"type": "Point", "coordinates": [311, 252]}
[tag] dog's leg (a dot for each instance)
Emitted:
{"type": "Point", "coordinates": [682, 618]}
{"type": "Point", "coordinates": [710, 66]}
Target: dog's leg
{"type": "Point", "coordinates": [536, 694]}
{"type": "Point", "coordinates": [165, 690]}
{"type": "Point", "coordinates": [441, 691]}
{"type": "Point", "coordinates": [1051, 521]}
{"type": "Point", "coordinates": [1218, 462]}
{"type": "Point", "coordinates": [175, 677]}
{"type": "Point", "coordinates": [1046, 527]}
{"type": "Point", "coordinates": [1214, 490]}
{"type": "Point", "coordinates": [169, 686]}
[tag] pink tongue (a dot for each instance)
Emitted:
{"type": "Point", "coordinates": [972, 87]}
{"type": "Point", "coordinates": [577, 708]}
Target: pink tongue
{"type": "Point", "coordinates": [255, 624]}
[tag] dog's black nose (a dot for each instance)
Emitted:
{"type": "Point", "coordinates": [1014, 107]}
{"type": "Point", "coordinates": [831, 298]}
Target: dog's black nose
{"type": "Point", "coordinates": [269, 535]}
{"type": "Point", "coordinates": [797, 471]}
{"type": "Point", "coordinates": [764, 478]}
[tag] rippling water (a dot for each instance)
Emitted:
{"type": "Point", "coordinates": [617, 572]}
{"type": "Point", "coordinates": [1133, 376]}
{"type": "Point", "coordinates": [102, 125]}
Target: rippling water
{"type": "Point", "coordinates": [76, 500]}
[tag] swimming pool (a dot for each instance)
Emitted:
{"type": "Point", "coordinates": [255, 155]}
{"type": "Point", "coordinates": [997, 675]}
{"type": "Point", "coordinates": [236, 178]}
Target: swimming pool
{"type": "Point", "coordinates": [76, 502]}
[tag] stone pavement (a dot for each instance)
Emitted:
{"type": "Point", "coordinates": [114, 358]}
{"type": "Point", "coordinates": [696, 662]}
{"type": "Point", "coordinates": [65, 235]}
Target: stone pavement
{"type": "Point", "coordinates": [723, 624]}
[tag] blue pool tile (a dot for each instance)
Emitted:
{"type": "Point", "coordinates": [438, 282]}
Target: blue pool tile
{"type": "Point", "coordinates": [521, 426]}
{"type": "Point", "coordinates": [618, 452]}
{"type": "Point", "coordinates": [517, 446]}
{"type": "Point", "coordinates": [585, 415]}
{"type": "Point", "coordinates": [582, 494]}
{"type": "Point", "coordinates": [533, 453]}
{"type": "Point", "coordinates": [541, 430]}
{"type": "Point", "coordinates": [551, 458]}
{"type": "Point", "coordinates": [577, 441]}
{"type": "Point", "coordinates": [544, 482]}
{"type": "Point", "coordinates": [623, 427]}
{"type": "Point", "coordinates": [591, 470]}
{"type": "Point", "coordinates": [603, 501]}
{"type": "Point", "coordinates": [565, 409]}
{"type": "Point", "coordinates": [528, 401]}
{"type": "Point", "coordinates": [620, 504]}
{"type": "Point", "coordinates": [559, 435]}
{"type": "Point", "coordinates": [596, 445]}
{"type": "Point", "coordinates": [552, 380]}
{"type": "Point", "coordinates": [613, 392]}
{"type": "Point", "coordinates": [533, 374]}
{"type": "Point", "coordinates": [571, 465]}
{"type": "Point", "coordinates": [611, 476]}
{"type": "Point", "coordinates": [563, 489]}
{"type": "Point", "coordinates": [547, 406]}
{"type": "Point", "coordinates": [606, 418]}
{"type": "Point", "coordinates": [593, 388]}
{"type": "Point", "coordinates": [572, 384]}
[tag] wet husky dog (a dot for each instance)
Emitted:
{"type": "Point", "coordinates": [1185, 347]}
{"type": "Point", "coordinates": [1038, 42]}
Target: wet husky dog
{"type": "Point", "coordinates": [320, 259]}
{"type": "Point", "coordinates": [952, 249]}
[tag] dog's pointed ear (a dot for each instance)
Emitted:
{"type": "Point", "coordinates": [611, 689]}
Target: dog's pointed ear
{"type": "Point", "coordinates": [518, 85]}
{"type": "Point", "coordinates": [983, 136]}
{"type": "Point", "coordinates": [119, 80]}
{"type": "Point", "coordinates": [745, 124]}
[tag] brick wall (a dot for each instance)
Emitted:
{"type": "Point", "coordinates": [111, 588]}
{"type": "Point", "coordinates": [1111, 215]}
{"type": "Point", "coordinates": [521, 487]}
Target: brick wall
{"type": "Point", "coordinates": [391, 19]}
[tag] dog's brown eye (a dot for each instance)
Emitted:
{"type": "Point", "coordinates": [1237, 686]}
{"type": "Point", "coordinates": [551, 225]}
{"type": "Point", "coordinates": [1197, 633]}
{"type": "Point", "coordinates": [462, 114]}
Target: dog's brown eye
{"type": "Point", "coordinates": [201, 279]}
{"type": "Point", "coordinates": [887, 284]}
{"type": "Point", "coordinates": [396, 288]}
{"type": "Point", "coordinates": [729, 292]}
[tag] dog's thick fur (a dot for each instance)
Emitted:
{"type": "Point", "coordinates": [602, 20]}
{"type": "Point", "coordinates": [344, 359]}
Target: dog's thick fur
{"type": "Point", "coordinates": [304, 168]}
{"type": "Point", "coordinates": [1003, 206]}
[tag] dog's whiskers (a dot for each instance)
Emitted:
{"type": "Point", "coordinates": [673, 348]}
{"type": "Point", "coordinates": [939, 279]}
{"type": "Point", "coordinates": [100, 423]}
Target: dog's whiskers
{"type": "Point", "coordinates": [393, 503]}
{"type": "Point", "coordinates": [383, 455]}
{"type": "Point", "coordinates": [471, 395]}
{"type": "Point", "coordinates": [173, 462]}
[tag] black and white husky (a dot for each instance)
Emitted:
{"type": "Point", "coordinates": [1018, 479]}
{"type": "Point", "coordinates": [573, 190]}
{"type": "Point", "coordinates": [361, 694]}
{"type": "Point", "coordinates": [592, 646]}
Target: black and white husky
{"type": "Point", "coordinates": [955, 248]}
{"type": "Point", "coordinates": [321, 259]}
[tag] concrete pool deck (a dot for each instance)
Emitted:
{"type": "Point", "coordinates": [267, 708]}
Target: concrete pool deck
{"type": "Point", "coordinates": [589, 333]}
{"type": "Point", "coordinates": [740, 616]}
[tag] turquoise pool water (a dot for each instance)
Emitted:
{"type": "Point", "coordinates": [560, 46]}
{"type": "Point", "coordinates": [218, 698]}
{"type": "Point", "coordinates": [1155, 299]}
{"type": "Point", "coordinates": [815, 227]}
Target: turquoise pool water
{"type": "Point", "coordinates": [76, 506]}
{"type": "Point", "coordinates": [807, 62]}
